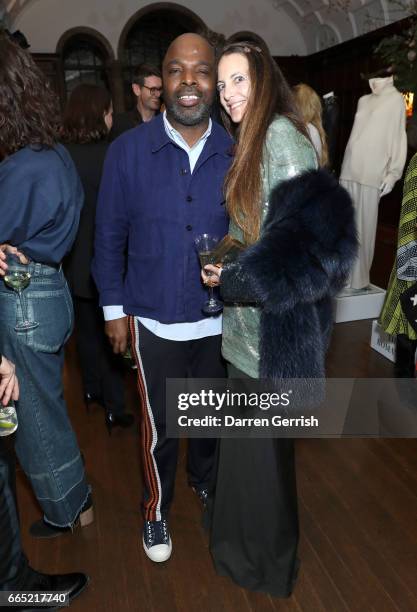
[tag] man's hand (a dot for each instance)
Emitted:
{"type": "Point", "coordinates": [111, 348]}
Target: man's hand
{"type": "Point", "coordinates": [9, 387]}
{"type": "Point", "coordinates": [117, 331]}
{"type": "Point", "coordinates": [8, 248]}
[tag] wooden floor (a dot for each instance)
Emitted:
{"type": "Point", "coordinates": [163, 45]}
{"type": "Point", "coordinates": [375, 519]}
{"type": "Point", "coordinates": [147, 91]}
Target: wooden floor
{"type": "Point", "coordinates": [358, 514]}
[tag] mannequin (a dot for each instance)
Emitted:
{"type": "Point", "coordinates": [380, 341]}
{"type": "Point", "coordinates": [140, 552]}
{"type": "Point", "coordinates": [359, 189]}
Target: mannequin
{"type": "Point", "coordinates": [374, 160]}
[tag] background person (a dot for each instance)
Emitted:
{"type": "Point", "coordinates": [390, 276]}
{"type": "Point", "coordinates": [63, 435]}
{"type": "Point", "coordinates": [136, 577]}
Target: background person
{"type": "Point", "coordinates": [147, 90]}
{"type": "Point", "coordinates": [277, 318]}
{"type": "Point", "coordinates": [86, 124]}
{"type": "Point", "coordinates": [404, 271]}
{"type": "Point", "coordinates": [310, 107]}
{"type": "Point", "coordinates": [40, 202]}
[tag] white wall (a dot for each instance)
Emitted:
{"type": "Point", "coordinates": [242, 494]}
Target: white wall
{"type": "Point", "coordinates": [44, 21]}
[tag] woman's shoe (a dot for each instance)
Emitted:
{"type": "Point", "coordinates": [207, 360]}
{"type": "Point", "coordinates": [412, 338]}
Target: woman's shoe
{"type": "Point", "coordinates": [42, 529]}
{"type": "Point", "coordinates": [92, 398]}
{"type": "Point", "coordinates": [118, 420]}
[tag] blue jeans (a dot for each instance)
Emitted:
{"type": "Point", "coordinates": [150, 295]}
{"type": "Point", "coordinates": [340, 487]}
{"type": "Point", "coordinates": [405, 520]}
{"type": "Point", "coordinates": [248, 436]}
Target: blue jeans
{"type": "Point", "coordinates": [46, 445]}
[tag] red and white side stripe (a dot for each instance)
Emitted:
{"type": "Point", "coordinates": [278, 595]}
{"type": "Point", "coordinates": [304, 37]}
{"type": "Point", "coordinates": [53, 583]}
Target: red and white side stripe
{"type": "Point", "coordinates": [152, 506]}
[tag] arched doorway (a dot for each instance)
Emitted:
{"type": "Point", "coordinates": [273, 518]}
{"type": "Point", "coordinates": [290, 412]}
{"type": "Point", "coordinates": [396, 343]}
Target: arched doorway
{"type": "Point", "coordinates": [246, 35]}
{"type": "Point", "coordinates": [148, 34]}
{"type": "Point", "coordinates": [85, 55]}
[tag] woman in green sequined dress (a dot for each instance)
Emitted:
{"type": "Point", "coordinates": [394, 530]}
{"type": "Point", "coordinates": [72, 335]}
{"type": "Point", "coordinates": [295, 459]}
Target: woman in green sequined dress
{"type": "Point", "coordinates": [253, 515]}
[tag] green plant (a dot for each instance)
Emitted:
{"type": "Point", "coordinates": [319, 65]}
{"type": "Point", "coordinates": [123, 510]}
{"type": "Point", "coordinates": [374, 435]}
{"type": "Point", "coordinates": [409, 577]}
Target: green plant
{"type": "Point", "coordinates": [399, 53]}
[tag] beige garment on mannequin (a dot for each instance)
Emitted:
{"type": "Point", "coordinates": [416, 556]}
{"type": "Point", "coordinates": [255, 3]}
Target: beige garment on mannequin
{"type": "Point", "coordinates": [377, 147]}
{"type": "Point", "coordinates": [365, 200]}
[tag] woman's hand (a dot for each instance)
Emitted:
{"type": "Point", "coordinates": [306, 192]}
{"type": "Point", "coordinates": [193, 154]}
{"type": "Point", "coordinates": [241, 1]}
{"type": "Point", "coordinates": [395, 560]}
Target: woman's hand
{"type": "Point", "coordinates": [9, 386]}
{"type": "Point", "coordinates": [3, 264]}
{"type": "Point", "coordinates": [8, 248]}
{"type": "Point", "coordinates": [212, 279]}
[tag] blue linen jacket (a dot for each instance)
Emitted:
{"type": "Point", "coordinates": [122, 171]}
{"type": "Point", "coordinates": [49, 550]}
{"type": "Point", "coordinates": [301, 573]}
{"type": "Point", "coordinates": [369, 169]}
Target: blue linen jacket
{"type": "Point", "coordinates": [151, 208]}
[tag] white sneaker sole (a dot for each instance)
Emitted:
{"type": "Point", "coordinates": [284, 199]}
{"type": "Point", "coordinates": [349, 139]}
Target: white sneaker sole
{"type": "Point", "coordinates": [158, 553]}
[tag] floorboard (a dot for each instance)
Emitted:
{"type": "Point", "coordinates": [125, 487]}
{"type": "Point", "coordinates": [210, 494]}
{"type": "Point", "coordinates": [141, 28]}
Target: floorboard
{"type": "Point", "coordinates": [357, 499]}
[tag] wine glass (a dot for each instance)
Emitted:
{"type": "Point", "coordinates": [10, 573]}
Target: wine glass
{"type": "Point", "coordinates": [205, 245]}
{"type": "Point", "coordinates": [17, 278]}
{"type": "Point", "coordinates": [8, 419]}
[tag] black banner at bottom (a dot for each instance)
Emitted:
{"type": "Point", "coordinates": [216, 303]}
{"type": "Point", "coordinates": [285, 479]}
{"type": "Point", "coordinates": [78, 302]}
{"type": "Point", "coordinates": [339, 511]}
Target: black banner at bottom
{"type": "Point", "coordinates": [292, 408]}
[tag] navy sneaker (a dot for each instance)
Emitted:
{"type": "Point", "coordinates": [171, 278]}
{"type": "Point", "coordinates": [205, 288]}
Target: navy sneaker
{"type": "Point", "coordinates": [157, 541]}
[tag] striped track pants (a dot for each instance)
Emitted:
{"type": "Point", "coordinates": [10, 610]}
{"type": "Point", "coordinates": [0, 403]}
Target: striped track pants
{"type": "Point", "coordinates": [158, 359]}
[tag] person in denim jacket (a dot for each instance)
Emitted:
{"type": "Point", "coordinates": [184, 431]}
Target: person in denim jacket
{"type": "Point", "coordinates": [40, 202]}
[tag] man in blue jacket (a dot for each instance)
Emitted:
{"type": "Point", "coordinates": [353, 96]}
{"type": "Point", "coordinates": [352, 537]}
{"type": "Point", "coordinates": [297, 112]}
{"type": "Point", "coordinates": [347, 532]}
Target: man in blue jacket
{"type": "Point", "coordinates": [162, 186]}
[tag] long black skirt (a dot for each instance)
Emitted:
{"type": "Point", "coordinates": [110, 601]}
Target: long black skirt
{"type": "Point", "coordinates": [252, 514]}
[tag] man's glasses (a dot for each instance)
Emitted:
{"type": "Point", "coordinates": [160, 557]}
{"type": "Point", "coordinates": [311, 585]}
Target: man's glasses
{"type": "Point", "coordinates": [154, 91]}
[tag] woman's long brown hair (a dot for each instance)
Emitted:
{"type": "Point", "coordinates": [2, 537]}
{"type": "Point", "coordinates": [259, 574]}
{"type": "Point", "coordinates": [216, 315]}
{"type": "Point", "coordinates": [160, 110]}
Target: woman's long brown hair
{"type": "Point", "coordinates": [269, 95]}
{"type": "Point", "coordinates": [29, 109]}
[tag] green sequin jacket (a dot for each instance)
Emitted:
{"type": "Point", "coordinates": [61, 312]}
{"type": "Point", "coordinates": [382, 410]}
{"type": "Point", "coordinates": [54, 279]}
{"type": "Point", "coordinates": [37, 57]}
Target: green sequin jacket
{"type": "Point", "coordinates": [287, 153]}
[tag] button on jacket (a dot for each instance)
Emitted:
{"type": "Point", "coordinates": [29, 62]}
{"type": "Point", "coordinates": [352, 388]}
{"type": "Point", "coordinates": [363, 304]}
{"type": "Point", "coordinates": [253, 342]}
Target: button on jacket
{"type": "Point", "coordinates": [144, 206]}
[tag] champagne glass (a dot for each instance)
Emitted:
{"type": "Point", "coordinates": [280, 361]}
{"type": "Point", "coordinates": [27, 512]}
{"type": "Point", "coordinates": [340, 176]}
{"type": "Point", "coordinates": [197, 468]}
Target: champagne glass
{"type": "Point", "coordinates": [205, 245]}
{"type": "Point", "coordinates": [17, 278]}
{"type": "Point", "coordinates": [8, 419]}
{"type": "Point", "coordinates": [130, 360]}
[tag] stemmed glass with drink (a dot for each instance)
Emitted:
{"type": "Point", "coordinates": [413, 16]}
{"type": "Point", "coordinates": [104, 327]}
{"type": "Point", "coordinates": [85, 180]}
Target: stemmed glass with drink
{"type": "Point", "coordinates": [8, 419]}
{"type": "Point", "coordinates": [205, 245]}
{"type": "Point", "coordinates": [17, 278]}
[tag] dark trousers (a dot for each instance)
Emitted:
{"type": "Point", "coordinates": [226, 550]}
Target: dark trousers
{"type": "Point", "coordinates": [158, 359]}
{"type": "Point", "coordinates": [253, 513]}
{"type": "Point", "coordinates": [102, 371]}
{"type": "Point", "coordinates": [405, 365]}
{"type": "Point", "coordinates": [13, 563]}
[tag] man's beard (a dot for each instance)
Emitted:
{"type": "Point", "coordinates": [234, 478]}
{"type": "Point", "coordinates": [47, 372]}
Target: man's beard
{"type": "Point", "coordinates": [188, 116]}
{"type": "Point", "coordinates": [152, 107]}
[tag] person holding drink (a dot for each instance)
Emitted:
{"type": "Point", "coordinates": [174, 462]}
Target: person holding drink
{"type": "Point", "coordinates": [9, 392]}
{"type": "Point", "coordinates": [297, 225]}
{"type": "Point", "coordinates": [9, 385]}
{"type": "Point", "coordinates": [162, 187]}
{"type": "Point", "coordinates": [16, 574]}
{"type": "Point", "coordinates": [40, 203]}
